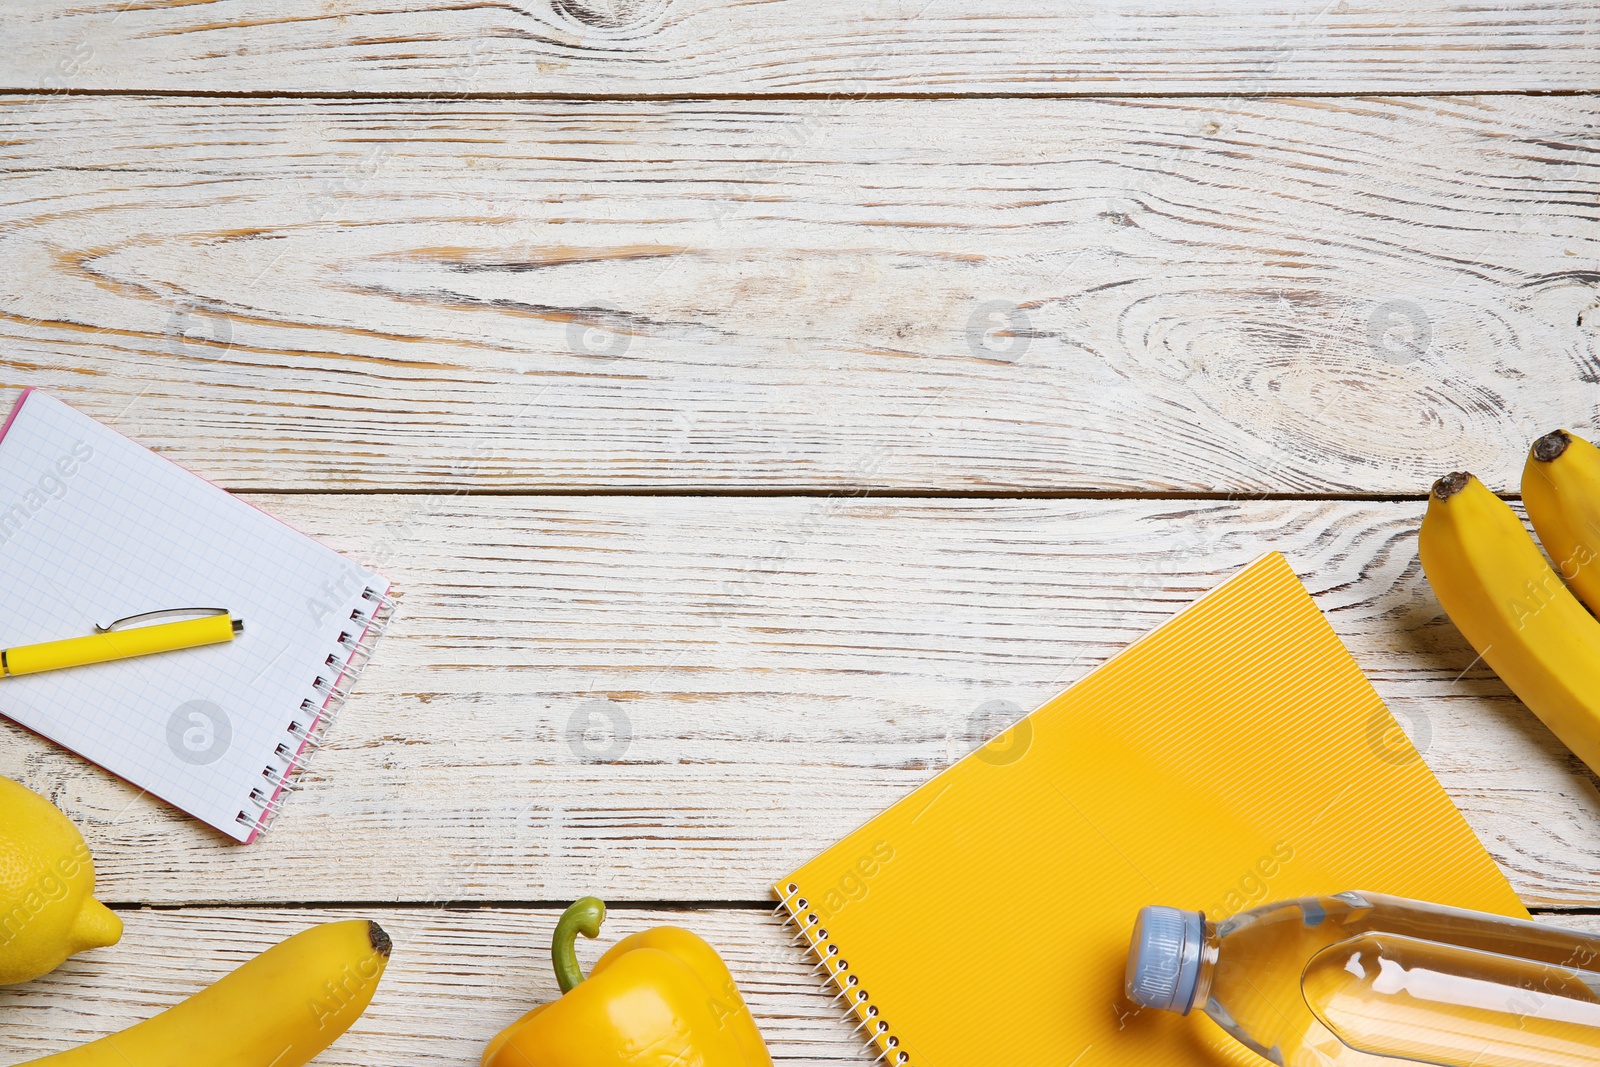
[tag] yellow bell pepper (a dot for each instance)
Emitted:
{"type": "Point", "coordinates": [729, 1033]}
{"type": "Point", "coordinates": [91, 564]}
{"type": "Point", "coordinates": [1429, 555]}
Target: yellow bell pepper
{"type": "Point", "coordinates": [658, 998]}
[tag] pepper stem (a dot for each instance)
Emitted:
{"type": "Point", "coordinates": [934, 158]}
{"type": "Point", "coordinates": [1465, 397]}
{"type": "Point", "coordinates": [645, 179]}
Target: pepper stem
{"type": "Point", "coordinates": [585, 917]}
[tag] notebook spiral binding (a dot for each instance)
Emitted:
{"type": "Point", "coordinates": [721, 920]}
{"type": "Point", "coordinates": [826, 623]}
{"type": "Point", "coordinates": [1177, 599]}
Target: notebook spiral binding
{"type": "Point", "coordinates": [330, 689]}
{"type": "Point", "coordinates": [795, 911]}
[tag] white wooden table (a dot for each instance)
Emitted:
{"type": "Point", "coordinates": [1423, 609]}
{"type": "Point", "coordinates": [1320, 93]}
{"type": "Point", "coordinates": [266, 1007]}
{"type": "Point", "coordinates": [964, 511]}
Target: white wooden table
{"type": "Point", "coordinates": [757, 403]}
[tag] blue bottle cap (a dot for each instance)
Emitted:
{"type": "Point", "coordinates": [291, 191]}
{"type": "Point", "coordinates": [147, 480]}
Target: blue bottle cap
{"type": "Point", "coordinates": [1164, 958]}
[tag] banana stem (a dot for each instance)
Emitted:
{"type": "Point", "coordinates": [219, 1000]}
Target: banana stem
{"type": "Point", "coordinates": [585, 917]}
{"type": "Point", "coordinates": [1451, 484]}
{"type": "Point", "coordinates": [1551, 446]}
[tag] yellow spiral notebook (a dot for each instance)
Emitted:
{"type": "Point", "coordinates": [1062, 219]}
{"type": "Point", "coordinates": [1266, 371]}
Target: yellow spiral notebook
{"type": "Point", "coordinates": [1233, 756]}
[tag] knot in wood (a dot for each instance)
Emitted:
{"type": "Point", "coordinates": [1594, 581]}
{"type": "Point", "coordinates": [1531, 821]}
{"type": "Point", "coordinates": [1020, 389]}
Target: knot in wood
{"type": "Point", "coordinates": [611, 15]}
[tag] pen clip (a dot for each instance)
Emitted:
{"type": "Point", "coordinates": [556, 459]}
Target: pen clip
{"type": "Point", "coordinates": [164, 613]}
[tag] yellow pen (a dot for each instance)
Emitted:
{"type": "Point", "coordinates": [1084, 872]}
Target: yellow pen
{"type": "Point", "coordinates": [112, 642]}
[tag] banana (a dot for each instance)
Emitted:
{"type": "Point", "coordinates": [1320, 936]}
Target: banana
{"type": "Point", "coordinates": [278, 1010]}
{"type": "Point", "coordinates": [1561, 490]}
{"type": "Point", "coordinates": [1502, 595]}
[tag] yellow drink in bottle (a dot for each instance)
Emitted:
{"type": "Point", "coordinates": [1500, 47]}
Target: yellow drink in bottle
{"type": "Point", "coordinates": [1367, 979]}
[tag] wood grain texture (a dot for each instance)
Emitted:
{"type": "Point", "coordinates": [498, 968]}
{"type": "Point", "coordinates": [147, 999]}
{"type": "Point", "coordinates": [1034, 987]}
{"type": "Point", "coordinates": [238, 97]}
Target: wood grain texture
{"type": "Point", "coordinates": [685, 698]}
{"type": "Point", "coordinates": [684, 47]}
{"type": "Point", "coordinates": [806, 290]}
{"type": "Point", "coordinates": [455, 979]}
{"type": "Point", "coordinates": [1331, 296]}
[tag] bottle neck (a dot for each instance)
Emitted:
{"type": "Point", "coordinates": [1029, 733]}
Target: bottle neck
{"type": "Point", "coordinates": [1208, 968]}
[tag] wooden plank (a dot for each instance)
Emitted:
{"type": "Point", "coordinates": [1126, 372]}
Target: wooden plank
{"type": "Point", "coordinates": [1330, 296]}
{"type": "Point", "coordinates": [713, 46]}
{"type": "Point", "coordinates": [684, 698]}
{"type": "Point", "coordinates": [455, 979]}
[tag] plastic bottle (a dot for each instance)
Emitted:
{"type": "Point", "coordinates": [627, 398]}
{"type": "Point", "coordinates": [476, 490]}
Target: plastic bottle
{"type": "Point", "coordinates": [1363, 978]}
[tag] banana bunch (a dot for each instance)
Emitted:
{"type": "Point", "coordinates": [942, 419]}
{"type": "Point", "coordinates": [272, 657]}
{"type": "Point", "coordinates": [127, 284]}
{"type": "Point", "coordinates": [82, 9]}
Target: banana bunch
{"type": "Point", "coordinates": [1509, 602]}
{"type": "Point", "coordinates": [277, 1010]}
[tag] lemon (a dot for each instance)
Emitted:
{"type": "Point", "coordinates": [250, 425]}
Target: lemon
{"type": "Point", "coordinates": [46, 878]}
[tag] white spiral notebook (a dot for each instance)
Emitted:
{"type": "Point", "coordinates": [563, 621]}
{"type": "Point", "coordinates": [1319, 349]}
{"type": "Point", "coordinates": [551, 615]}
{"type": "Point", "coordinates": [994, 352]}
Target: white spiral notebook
{"type": "Point", "coordinates": [94, 527]}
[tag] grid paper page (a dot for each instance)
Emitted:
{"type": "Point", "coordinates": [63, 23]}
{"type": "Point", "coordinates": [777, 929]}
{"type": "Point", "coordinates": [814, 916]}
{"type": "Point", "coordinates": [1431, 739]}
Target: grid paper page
{"type": "Point", "coordinates": [94, 527]}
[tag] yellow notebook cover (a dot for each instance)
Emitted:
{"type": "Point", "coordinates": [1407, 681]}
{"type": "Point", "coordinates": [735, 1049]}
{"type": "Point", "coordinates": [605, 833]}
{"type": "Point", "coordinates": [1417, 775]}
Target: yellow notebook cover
{"type": "Point", "coordinates": [1234, 756]}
